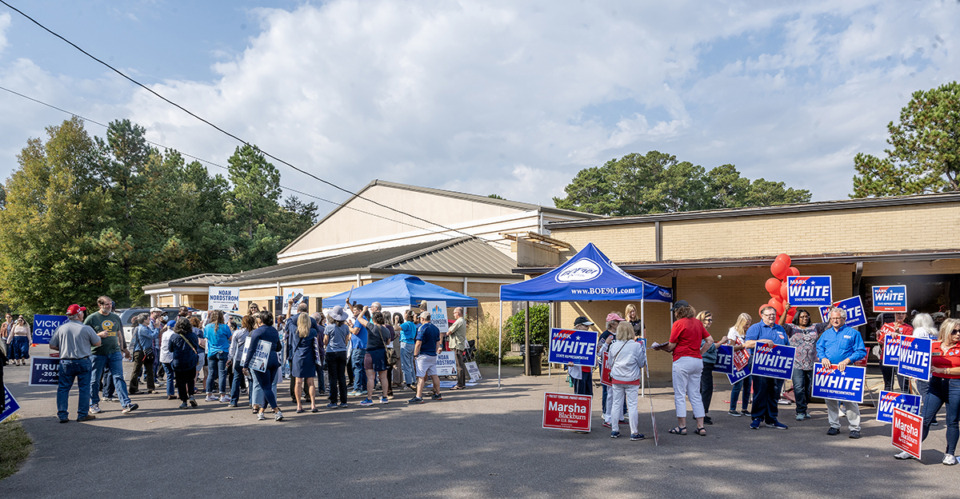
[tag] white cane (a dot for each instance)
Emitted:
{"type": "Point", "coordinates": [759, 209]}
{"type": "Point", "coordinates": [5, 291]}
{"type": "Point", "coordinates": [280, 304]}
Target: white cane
{"type": "Point", "coordinates": [653, 415]}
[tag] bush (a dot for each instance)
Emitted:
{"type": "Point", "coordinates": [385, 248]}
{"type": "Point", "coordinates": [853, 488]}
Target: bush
{"type": "Point", "coordinates": [539, 325]}
{"type": "Point", "coordinates": [487, 348]}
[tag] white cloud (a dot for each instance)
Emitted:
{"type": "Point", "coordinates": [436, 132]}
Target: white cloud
{"type": "Point", "coordinates": [4, 25]}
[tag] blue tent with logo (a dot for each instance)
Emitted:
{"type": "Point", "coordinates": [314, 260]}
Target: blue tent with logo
{"type": "Point", "coordinates": [588, 276]}
{"type": "Point", "coordinates": [402, 290]}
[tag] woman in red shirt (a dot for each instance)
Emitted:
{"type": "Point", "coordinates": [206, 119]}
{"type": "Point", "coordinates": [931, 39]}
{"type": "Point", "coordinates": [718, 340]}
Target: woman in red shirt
{"type": "Point", "coordinates": [944, 387]}
{"type": "Point", "coordinates": [687, 345]}
{"type": "Point", "coordinates": [897, 327]}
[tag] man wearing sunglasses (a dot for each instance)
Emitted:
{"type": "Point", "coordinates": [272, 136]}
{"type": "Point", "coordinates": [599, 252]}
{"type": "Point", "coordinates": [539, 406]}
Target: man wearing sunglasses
{"type": "Point", "coordinates": [838, 347]}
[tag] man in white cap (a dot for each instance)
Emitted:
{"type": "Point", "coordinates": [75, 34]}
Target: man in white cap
{"type": "Point", "coordinates": [73, 341]}
{"type": "Point", "coordinates": [582, 376]}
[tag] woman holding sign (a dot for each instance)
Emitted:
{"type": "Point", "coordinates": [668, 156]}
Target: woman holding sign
{"type": "Point", "coordinates": [264, 361]}
{"type": "Point", "coordinates": [944, 388]}
{"type": "Point", "coordinates": [735, 338]}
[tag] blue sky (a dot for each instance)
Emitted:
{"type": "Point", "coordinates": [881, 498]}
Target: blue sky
{"type": "Point", "coordinates": [490, 96]}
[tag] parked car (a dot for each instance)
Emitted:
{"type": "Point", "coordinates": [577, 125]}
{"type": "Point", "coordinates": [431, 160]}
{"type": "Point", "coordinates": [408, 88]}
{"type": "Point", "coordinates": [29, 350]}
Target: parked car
{"type": "Point", "coordinates": [127, 316]}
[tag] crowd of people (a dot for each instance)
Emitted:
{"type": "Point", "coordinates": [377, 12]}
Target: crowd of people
{"type": "Point", "coordinates": [249, 357]}
{"type": "Point", "coordinates": [831, 343]}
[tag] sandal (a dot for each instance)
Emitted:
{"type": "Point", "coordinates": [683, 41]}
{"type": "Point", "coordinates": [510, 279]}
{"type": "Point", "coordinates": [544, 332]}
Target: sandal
{"type": "Point", "coordinates": [701, 431]}
{"type": "Point", "coordinates": [678, 430]}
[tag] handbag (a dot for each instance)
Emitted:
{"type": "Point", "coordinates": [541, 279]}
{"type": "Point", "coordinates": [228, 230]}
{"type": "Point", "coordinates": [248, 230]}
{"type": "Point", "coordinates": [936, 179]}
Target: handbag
{"type": "Point", "coordinates": [389, 351]}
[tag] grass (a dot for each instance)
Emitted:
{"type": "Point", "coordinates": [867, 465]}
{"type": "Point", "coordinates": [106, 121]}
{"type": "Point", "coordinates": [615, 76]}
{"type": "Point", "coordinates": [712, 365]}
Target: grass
{"type": "Point", "coordinates": [15, 446]}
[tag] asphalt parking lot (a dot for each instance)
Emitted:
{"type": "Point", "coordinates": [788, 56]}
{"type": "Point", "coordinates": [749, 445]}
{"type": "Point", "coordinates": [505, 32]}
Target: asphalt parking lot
{"type": "Point", "coordinates": [483, 441]}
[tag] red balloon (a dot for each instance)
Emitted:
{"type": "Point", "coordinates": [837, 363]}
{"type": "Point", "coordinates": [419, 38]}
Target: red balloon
{"type": "Point", "coordinates": [777, 304]}
{"type": "Point", "coordinates": [773, 286]}
{"type": "Point", "coordinates": [783, 291]}
{"type": "Point", "coordinates": [793, 271]}
{"type": "Point", "coordinates": [779, 269]}
{"type": "Point", "coordinates": [783, 257]}
{"type": "Point", "coordinates": [791, 314]}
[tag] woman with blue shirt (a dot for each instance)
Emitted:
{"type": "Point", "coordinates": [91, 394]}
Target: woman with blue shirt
{"type": "Point", "coordinates": [217, 335]}
{"type": "Point", "coordinates": [408, 336]}
{"type": "Point", "coordinates": [335, 338]}
{"type": "Point", "coordinates": [268, 335]}
{"type": "Point", "coordinates": [306, 354]}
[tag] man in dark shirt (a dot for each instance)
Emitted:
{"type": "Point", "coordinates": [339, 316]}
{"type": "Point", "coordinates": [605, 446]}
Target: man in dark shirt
{"type": "Point", "coordinates": [425, 351]}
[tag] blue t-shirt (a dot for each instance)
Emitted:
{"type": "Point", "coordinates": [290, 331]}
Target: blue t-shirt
{"type": "Point", "coordinates": [761, 331]}
{"type": "Point", "coordinates": [408, 332]}
{"type": "Point", "coordinates": [428, 335]}
{"type": "Point", "coordinates": [218, 338]}
{"type": "Point", "coordinates": [359, 339]}
{"type": "Point", "coordinates": [338, 337]}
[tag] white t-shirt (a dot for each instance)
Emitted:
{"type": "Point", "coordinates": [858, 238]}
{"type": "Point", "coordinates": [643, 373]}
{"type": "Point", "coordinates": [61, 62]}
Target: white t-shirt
{"type": "Point", "coordinates": [733, 335]}
{"type": "Point", "coordinates": [165, 355]}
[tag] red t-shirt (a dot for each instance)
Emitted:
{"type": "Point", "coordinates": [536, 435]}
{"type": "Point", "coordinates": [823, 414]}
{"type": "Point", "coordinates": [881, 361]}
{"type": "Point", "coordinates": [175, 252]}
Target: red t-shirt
{"type": "Point", "coordinates": [687, 333]}
{"type": "Point", "coordinates": [945, 360]}
{"type": "Point", "coordinates": [891, 328]}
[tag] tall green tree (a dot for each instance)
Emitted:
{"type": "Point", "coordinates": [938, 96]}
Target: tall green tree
{"type": "Point", "coordinates": [658, 183]}
{"type": "Point", "coordinates": [924, 156]}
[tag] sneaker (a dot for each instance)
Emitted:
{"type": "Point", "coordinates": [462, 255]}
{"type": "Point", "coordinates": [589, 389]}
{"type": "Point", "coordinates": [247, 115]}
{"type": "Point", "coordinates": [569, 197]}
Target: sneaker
{"type": "Point", "coordinates": [801, 416]}
{"type": "Point", "coordinates": [755, 424]}
{"type": "Point", "coordinates": [260, 416]}
{"type": "Point", "coordinates": [88, 417]}
{"type": "Point", "coordinates": [745, 412]}
{"type": "Point", "coordinates": [95, 409]}
{"type": "Point", "coordinates": [415, 400]}
{"type": "Point", "coordinates": [171, 397]}
{"type": "Point", "coordinates": [903, 455]}
{"type": "Point", "coordinates": [111, 399]}
{"type": "Point", "coordinates": [636, 436]}
{"type": "Point", "coordinates": [224, 399]}
{"type": "Point", "coordinates": [366, 402]}
{"type": "Point", "coordinates": [614, 434]}
{"type": "Point", "coordinates": [854, 433]}
{"type": "Point", "coordinates": [707, 420]}
{"type": "Point", "coordinates": [949, 459]}
{"type": "Point", "coordinates": [784, 402]}
{"type": "Point", "coordinates": [278, 416]}
{"type": "Point", "coordinates": [64, 421]}
{"type": "Point", "coordinates": [777, 425]}
{"type": "Point", "coordinates": [833, 431]}
{"type": "Point", "coordinates": [934, 423]}
{"type": "Point", "coordinates": [331, 405]}
{"type": "Point", "coordinates": [807, 416]}
{"type": "Point", "coordinates": [437, 396]}
{"type": "Point", "coordinates": [384, 400]}
{"type": "Point", "coordinates": [130, 408]}
{"type": "Point", "coordinates": [232, 404]}
{"type": "Point", "coordinates": [606, 424]}
{"type": "Point", "coordinates": [211, 398]}
{"type": "Point", "coordinates": [343, 405]}
{"type": "Point", "coordinates": [183, 405]}
{"type": "Point", "coordinates": [735, 414]}
{"type": "Point", "coordinates": [362, 392]}
{"type": "Point", "coordinates": [193, 402]}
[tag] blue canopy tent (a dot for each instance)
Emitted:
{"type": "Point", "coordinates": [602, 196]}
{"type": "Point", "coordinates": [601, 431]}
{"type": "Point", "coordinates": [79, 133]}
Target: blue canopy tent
{"type": "Point", "coordinates": [403, 290]}
{"type": "Point", "coordinates": [588, 276]}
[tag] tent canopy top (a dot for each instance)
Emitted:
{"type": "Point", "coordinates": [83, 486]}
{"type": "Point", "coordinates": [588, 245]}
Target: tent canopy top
{"type": "Point", "coordinates": [402, 290]}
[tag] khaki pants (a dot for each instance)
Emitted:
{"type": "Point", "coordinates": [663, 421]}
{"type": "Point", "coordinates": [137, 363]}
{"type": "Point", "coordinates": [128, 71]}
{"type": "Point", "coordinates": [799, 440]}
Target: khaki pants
{"type": "Point", "coordinates": [853, 414]}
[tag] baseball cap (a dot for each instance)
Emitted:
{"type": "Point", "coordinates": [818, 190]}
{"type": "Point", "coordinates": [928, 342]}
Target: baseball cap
{"type": "Point", "coordinates": [679, 303]}
{"type": "Point", "coordinates": [170, 324]}
{"type": "Point", "coordinates": [613, 316]}
{"type": "Point", "coordinates": [155, 309]}
{"type": "Point", "coordinates": [582, 320]}
{"type": "Point", "coordinates": [74, 309]}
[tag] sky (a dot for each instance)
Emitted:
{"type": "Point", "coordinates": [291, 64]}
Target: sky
{"type": "Point", "coordinates": [485, 97]}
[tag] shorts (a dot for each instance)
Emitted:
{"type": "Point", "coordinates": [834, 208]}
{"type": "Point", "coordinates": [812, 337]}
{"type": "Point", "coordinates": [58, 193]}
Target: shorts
{"type": "Point", "coordinates": [426, 365]}
{"type": "Point", "coordinates": [376, 360]}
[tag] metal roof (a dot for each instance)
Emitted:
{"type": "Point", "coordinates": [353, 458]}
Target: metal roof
{"type": "Point", "coordinates": [194, 280]}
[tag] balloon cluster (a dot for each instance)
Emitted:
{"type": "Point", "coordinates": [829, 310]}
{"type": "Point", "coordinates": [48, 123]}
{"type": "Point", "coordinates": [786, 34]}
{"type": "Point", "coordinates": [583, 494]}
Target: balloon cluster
{"type": "Point", "coordinates": [777, 285]}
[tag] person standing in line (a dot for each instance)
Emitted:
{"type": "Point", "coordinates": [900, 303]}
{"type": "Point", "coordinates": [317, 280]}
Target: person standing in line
{"type": "Point", "coordinates": [321, 323]}
{"type": "Point", "coordinates": [606, 338]}
{"type": "Point", "coordinates": [73, 341]}
{"type": "Point", "coordinates": [166, 358]}
{"type": "Point", "coordinates": [185, 353]}
{"type": "Point", "coordinates": [143, 354]}
{"type": "Point", "coordinates": [270, 337]}
{"type": "Point", "coordinates": [923, 327]}
{"type": "Point", "coordinates": [458, 343]}
{"type": "Point", "coordinates": [238, 344]}
{"type": "Point", "coordinates": [425, 351]}
{"type": "Point", "coordinates": [803, 336]}
{"type": "Point", "coordinates": [306, 351]}
{"type": "Point", "coordinates": [627, 359]}
{"type": "Point", "coordinates": [709, 360]}
{"type": "Point", "coordinates": [19, 338]}
{"type": "Point", "coordinates": [944, 388]}
{"type": "Point", "coordinates": [687, 346]}
{"type": "Point", "coordinates": [898, 327]}
{"type": "Point", "coordinates": [582, 376]}
{"type": "Point", "coordinates": [735, 338]}
{"type": "Point", "coordinates": [109, 354]}
{"type": "Point", "coordinates": [335, 339]}
{"type": "Point", "coordinates": [289, 336]}
{"type": "Point", "coordinates": [358, 338]}
{"type": "Point", "coordinates": [838, 347]}
{"type": "Point", "coordinates": [375, 363]}
{"type": "Point", "coordinates": [766, 391]}
{"type": "Point", "coordinates": [408, 336]}
{"type": "Point", "coordinates": [217, 334]}
{"type": "Point", "coordinates": [4, 329]}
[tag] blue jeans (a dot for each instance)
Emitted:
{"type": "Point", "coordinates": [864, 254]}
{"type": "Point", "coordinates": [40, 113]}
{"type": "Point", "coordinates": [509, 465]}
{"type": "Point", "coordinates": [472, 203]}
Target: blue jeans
{"type": "Point", "coordinates": [744, 386]}
{"type": "Point", "coordinates": [235, 388]}
{"type": "Point", "coordinates": [114, 362]}
{"type": "Point", "coordinates": [407, 363]}
{"type": "Point", "coordinates": [943, 391]}
{"type": "Point", "coordinates": [359, 375]}
{"type": "Point", "coordinates": [266, 380]}
{"type": "Point", "coordinates": [70, 369]}
{"type": "Point", "coordinates": [168, 373]}
{"type": "Point", "coordinates": [802, 385]}
{"type": "Point", "coordinates": [217, 371]}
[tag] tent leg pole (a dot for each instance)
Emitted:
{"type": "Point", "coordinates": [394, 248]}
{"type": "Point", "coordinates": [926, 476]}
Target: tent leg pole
{"type": "Point", "coordinates": [526, 338]}
{"type": "Point", "coordinates": [500, 345]}
{"type": "Point", "coordinates": [549, 321]}
{"type": "Point", "coordinates": [643, 334]}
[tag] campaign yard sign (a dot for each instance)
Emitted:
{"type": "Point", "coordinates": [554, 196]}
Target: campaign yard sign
{"type": "Point", "coordinates": [739, 374]}
{"type": "Point", "coordinates": [446, 363]}
{"type": "Point", "coordinates": [890, 298]}
{"type": "Point", "coordinates": [578, 347]}
{"type": "Point", "coordinates": [10, 404]}
{"type": "Point", "coordinates": [915, 356]}
{"type": "Point", "coordinates": [438, 315]}
{"type": "Point", "coordinates": [830, 383]}
{"type": "Point", "coordinates": [724, 364]}
{"type": "Point", "coordinates": [566, 411]}
{"type": "Point", "coordinates": [809, 291]}
{"type": "Point", "coordinates": [225, 299]}
{"type": "Point", "coordinates": [44, 371]}
{"type": "Point", "coordinates": [44, 327]}
{"type": "Point", "coordinates": [773, 361]}
{"type": "Point", "coordinates": [605, 370]}
{"type": "Point", "coordinates": [907, 429]}
{"type": "Point", "coordinates": [853, 306]}
{"type": "Point", "coordinates": [894, 400]}
{"type": "Point", "coordinates": [891, 350]}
